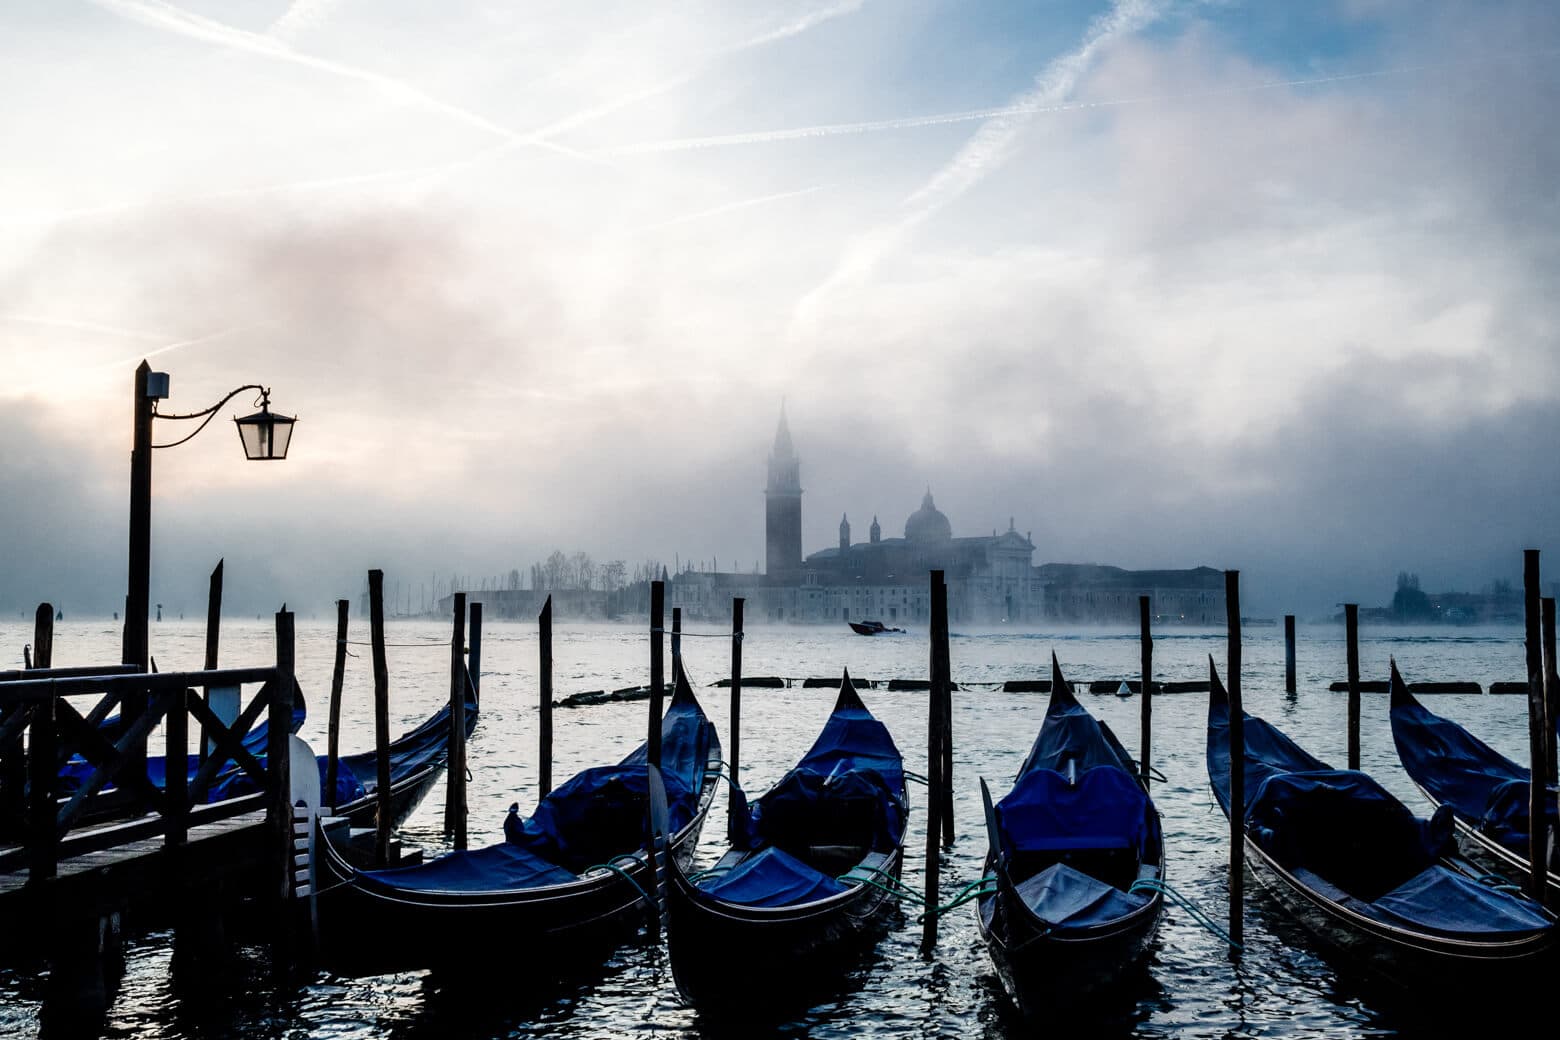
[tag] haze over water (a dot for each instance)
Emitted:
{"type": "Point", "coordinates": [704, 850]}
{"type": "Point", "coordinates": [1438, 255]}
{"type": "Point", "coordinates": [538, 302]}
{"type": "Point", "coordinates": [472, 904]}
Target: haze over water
{"type": "Point", "coordinates": [1280, 988]}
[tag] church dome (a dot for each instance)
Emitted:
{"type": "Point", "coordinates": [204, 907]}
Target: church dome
{"type": "Point", "coordinates": [927, 524]}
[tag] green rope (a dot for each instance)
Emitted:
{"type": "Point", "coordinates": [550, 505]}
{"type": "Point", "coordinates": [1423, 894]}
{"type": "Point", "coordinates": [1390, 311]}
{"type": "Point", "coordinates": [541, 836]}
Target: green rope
{"type": "Point", "coordinates": [973, 890]}
{"type": "Point", "coordinates": [1498, 882]}
{"type": "Point", "coordinates": [620, 872]}
{"type": "Point", "coordinates": [710, 872]}
{"type": "Point", "coordinates": [883, 880]}
{"type": "Point", "coordinates": [1196, 912]}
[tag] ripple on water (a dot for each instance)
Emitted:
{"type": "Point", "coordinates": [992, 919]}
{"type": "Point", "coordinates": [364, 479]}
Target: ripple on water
{"type": "Point", "coordinates": [1189, 988]}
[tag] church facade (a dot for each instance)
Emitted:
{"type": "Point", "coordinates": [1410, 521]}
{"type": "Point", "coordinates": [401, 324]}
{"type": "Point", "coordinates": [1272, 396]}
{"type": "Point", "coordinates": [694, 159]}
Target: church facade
{"type": "Point", "coordinates": [991, 579]}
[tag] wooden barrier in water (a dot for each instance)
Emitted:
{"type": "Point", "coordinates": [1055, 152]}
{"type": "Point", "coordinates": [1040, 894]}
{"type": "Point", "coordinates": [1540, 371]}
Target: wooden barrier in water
{"type": "Point", "coordinates": [938, 630]}
{"type": "Point", "coordinates": [657, 669]}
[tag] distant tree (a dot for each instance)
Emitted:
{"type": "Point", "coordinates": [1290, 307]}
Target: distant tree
{"type": "Point", "coordinates": [514, 578]}
{"type": "Point", "coordinates": [557, 568]}
{"type": "Point", "coordinates": [584, 570]}
{"type": "Point", "coordinates": [612, 575]}
{"type": "Point", "coordinates": [1408, 602]}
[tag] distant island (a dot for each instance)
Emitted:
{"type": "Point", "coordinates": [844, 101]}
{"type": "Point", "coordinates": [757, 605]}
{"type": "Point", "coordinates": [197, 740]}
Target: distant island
{"type": "Point", "coordinates": [1499, 603]}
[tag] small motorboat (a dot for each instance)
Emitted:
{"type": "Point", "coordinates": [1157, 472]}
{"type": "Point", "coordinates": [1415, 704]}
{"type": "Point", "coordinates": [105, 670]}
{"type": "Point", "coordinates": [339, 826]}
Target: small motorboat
{"type": "Point", "coordinates": [871, 628]}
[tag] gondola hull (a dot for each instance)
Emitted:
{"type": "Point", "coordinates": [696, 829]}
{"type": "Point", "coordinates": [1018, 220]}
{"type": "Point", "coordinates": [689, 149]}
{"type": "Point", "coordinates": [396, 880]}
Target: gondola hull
{"type": "Point", "coordinates": [1494, 856]}
{"type": "Point", "coordinates": [1044, 970]}
{"type": "Point", "coordinates": [718, 948]}
{"type": "Point", "coordinates": [365, 930]}
{"type": "Point", "coordinates": [1410, 960]}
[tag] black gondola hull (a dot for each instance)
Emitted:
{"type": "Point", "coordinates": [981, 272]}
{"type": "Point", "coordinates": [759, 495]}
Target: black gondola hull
{"type": "Point", "coordinates": [717, 948]}
{"type": "Point", "coordinates": [1410, 960]}
{"type": "Point", "coordinates": [366, 929]}
{"type": "Point", "coordinates": [1043, 970]}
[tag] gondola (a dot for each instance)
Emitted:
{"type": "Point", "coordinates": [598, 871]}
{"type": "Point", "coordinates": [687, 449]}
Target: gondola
{"type": "Point", "coordinates": [809, 880]}
{"type": "Point", "coordinates": [1375, 884]}
{"type": "Point", "coordinates": [417, 760]}
{"type": "Point", "coordinates": [564, 886]}
{"type": "Point", "coordinates": [1486, 792]}
{"type": "Point", "coordinates": [1077, 857]}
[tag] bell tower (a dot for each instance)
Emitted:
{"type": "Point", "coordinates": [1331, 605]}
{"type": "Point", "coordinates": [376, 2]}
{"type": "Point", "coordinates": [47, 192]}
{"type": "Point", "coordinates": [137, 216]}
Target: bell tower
{"type": "Point", "coordinates": [783, 508]}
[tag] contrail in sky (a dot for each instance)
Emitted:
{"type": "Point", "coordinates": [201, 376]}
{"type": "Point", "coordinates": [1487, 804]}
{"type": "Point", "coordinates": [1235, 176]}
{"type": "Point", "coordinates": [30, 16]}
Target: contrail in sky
{"type": "Point", "coordinates": [181, 344]}
{"type": "Point", "coordinates": [161, 15]}
{"type": "Point", "coordinates": [84, 326]}
{"type": "Point", "coordinates": [589, 115]}
{"type": "Point", "coordinates": [301, 14]}
{"type": "Point", "coordinates": [730, 206]}
{"type": "Point", "coordinates": [988, 147]}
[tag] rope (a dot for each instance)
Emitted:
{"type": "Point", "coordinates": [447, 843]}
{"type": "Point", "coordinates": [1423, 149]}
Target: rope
{"type": "Point", "coordinates": [695, 635]}
{"type": "Point", "coordinates": [883, 881]}
{"type": "Point", "coordinates": [1498, 882]}
{"type": "Point", "coordinates": [710, 872]}
{"type": "Point", "coordinates": [917, 777]}
{"type": "Point", "coordinates": [973, 890]}
{"type": "Point", "coordinates": [620, 872]}
{"type": "Point", "coordinates": [1185, 903]}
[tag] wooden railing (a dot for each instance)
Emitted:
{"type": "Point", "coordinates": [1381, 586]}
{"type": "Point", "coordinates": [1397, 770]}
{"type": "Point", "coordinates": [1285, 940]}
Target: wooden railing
{"type": "Point", "coordinates": [49, 820]}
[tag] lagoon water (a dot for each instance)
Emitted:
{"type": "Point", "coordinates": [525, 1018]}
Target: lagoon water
{"type": "Point", "coordinates": [1280, 987]}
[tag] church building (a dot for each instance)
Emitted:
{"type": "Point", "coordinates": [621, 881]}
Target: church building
{"type": "Point", "coordinates": [991, 579]}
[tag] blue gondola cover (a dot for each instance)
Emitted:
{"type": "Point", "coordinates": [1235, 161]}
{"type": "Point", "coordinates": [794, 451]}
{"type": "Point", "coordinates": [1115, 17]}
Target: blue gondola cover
{"type": "Point", "coordinates": [1484, 787]}
{"type": "Point", "coordinates": [1068, 898]}
{"type": "Point", "coordinates": [1106, 809]}
{"type": "Point", "coordinates": [771, 877]}
{"type": "Point", "coordinates": [495, 868]}
{"type": "Point", "coordinates": [850, 782]}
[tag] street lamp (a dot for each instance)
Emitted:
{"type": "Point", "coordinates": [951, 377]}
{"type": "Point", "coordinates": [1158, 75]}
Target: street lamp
{"type": "Point", "coordinates": [264, 435]}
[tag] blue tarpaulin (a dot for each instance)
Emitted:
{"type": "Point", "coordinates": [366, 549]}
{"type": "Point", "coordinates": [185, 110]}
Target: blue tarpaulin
{"type": "Point", "coordinates": [1067, 898]}
{"type": "Point", "coordinates": [771, 877]}
{"type": "Point", "coordinates": [496, 868]}
{"type": "Point", "coordinates": [596, 815]}
{"type": "Point", "coordinates": [847, 790]}
{"type": "Point", "coordinates": [1348, 839]}
{"type": "Point", "coordinates": [1482, 786]}
{"type": "Point", "coordinates": [1106, 809]}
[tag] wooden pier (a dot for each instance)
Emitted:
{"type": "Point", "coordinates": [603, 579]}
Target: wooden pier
{"type": "Point", "coordinates": [97, 840]}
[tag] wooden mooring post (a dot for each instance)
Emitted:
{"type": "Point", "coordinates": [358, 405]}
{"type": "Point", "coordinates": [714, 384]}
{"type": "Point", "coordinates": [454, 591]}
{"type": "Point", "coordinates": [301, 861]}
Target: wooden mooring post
{"type": "Point", "coordinates": [735, 767]}
{"type": "Point", "coordinates": [474, 653]}
{"type": "Point", "coordinates": [934, 764]}
{"type": "Point", "coordinates": [455, 769]}
{"type": "Point", "coordinates": [43, 636]}
{"type": "Point", "coordinates": [544, 727]}
{"type": "Point", "coordinates": [213, 645]}
{"type": "Point", "coordinates": [279, 815]}
{"type": "Point", "coordinates": [676, 644]}
{"type": "Point", "coordinates": [1538, 744]}
{"type": "Point", "coordinates": [376, 625]}
{"type": "Point", "coordinates": [657, 670]}
{"type": "Point", "coordinates": [943, 684]}
{"type": "Point", "coordinates": [1551, 688]}
{"type": "Point", "coordinates": [1351, 635]}
{"type": "Point", "coordinates": [1237, 762]}
{"type": "Point", "coordinates": [338, 675]}
{"type": "Point", "coordinates": [1146, 711]}
{"type": "Point", "coordinates": [1289, 653]}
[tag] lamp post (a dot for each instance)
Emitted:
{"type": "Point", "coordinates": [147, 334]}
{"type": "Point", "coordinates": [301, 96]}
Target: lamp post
{"type": "Point", "coordinates": [264, 436]}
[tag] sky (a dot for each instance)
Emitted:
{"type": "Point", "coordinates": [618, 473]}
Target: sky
{"type": "Point", "coordinates": [1168, 282]}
